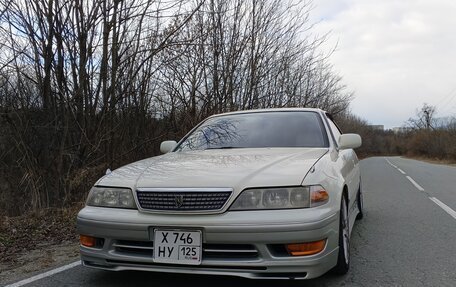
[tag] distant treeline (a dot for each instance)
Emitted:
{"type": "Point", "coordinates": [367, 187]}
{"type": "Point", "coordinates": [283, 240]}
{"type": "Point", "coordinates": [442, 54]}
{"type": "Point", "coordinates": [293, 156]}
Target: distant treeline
{"type": "Point", "coordinates": [426, 140]}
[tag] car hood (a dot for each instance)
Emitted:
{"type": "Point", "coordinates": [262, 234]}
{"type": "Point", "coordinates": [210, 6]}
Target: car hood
{"type": "Point", "coordinates": [229, 168]}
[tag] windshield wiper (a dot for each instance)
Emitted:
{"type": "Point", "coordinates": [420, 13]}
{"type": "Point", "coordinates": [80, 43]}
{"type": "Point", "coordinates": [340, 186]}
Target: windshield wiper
{"type": "Point", "coordinates": [225, 147]}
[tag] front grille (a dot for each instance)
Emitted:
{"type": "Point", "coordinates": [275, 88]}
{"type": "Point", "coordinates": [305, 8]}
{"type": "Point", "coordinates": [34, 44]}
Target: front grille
{"type": "Point", "coordinates": [182, 201]}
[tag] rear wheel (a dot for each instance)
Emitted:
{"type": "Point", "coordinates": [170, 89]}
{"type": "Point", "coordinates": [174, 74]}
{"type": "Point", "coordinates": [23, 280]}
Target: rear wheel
{"type": "Point", "coordinates": [343, 260]}
{"type": "Point", "coordinates": [360, 202]}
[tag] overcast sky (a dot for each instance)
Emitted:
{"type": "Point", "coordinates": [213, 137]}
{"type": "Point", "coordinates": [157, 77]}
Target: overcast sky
{"type": "Point", "coordinates": [394, 54]}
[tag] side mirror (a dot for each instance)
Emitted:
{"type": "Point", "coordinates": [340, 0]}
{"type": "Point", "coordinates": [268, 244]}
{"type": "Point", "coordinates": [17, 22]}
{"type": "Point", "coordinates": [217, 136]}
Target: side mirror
{"type": "Point", "coordinates": [167, 146]}
{"type": "Point", "coordinates": [347, 141]}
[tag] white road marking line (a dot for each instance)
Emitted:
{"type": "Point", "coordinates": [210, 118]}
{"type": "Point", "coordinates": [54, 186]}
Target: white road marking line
{"type": "Point", "coordinates": [415, 184]}
{"type": "Point", "coordinates": [395, 166]}
{"type": "Point", "coordinates": [444, 207]}
{"type": "Point", "coordinates": [390, 163]}
{"type": "Point", "coordinates": [45, 274]}
{"type": "Point", "coordinates": [401, 171]}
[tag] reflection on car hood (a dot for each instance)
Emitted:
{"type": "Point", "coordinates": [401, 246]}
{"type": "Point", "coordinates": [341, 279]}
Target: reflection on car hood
{"type": "Point", "coordinates": [235, 168]}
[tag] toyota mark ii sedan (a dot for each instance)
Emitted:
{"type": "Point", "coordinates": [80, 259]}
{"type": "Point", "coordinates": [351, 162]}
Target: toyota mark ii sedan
{"type": "Point", "coordinates": [258, 194]}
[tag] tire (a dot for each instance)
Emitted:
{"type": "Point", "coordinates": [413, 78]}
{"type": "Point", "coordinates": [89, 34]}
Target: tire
{"type": "Point", "coordinates": [360, 202]}
{"type": "Point", "coordinates": [343, 260]}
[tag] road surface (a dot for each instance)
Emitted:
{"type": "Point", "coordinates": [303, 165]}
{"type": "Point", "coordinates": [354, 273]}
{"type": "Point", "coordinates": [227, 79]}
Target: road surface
{"type": "Point", "coordinates": [407, 237]}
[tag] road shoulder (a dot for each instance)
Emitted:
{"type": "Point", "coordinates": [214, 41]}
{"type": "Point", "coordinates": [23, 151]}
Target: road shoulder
{"type": "Point", "coordinates": [30, 263]}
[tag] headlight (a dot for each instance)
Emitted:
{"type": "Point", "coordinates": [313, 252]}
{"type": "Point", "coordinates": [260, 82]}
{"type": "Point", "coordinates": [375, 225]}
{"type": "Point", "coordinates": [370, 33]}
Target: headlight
{"type": "Point", "coordinates": [281, 198]}
{"type": "Point", "coordinates": [111, 197]}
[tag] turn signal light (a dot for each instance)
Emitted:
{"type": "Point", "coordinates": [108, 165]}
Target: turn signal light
{"type": "Point", "coordinates": [303, 249]}
{"type": "Point", "coordinates": [87, 241]}
{"type": "Point", "coordinates": [318, 197]}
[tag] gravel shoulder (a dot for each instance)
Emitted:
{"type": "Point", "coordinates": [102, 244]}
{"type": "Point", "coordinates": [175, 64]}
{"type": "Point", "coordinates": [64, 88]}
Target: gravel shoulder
{"type": "Point", "coordinates": [35, 242]}
{"type": "Point", "coordinates": [39, 260]}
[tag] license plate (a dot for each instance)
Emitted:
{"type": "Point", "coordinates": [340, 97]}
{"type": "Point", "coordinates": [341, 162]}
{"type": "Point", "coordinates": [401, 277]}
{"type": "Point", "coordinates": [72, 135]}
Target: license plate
{"type": "Point", "coordinates": [177, 246]}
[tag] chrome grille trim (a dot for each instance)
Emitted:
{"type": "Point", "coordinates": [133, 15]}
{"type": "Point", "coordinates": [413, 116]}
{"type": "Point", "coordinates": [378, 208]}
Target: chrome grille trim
{"type": "Point", "coordinates": [182, 200]}
{"type": "Point", "coordinates": [226, 251]}
{"type": "Point", "coordinates": [229, 250]}
{"type": "Point", "coordinates": [144, 249]}
{"type": "Point", "coordinates": [116, 245]}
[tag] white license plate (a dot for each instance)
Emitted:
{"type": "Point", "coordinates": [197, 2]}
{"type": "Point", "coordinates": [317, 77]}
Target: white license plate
{"type": "Point", "coordinates": [177, 246]}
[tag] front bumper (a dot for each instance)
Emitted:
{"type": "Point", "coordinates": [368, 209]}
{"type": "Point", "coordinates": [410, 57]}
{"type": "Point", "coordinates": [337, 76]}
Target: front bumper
{"type": "Point", "coordinates": [241, 243]}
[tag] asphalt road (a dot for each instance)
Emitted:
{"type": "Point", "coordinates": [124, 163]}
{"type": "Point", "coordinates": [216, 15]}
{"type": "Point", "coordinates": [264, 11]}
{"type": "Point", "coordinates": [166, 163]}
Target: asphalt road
{"type": "Point", "coordinates": [405, 238]}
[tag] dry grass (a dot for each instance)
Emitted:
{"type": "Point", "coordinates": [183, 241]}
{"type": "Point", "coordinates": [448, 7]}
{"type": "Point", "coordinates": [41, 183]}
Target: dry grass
{"type": "Point", "coordinates": [449, 162]}
{"type": "Point", "coordinates": [36, 230]}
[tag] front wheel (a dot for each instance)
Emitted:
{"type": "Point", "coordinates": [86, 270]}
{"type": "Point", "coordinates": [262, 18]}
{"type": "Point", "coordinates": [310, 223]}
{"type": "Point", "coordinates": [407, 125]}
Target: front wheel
{"type": "Point", "coordinates": [343, 260]}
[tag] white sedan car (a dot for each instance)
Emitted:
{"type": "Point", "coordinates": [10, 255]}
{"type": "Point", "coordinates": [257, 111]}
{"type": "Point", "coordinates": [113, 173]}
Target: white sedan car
{"type": "Point", "coordinates": [258, 194]}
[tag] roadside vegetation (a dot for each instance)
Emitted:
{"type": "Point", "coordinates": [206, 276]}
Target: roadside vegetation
{"type": "Point", "coordinates": [424, 137]}
{"type": "Point", "coordinates": [91, 85]}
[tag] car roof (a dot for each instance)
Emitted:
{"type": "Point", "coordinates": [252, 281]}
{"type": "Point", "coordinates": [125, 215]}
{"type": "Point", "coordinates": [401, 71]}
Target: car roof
{"type": "Point", "coordinates": [271, 110]}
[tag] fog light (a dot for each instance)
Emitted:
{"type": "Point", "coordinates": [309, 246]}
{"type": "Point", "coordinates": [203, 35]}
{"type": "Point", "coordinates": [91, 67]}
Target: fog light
{"type": "Point", "coordinates": [308, 248]}
{"type": "Point", "coordinates": [87, 241]}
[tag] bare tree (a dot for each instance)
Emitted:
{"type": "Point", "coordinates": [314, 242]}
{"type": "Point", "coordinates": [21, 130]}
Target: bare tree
{"type": "Point", "coordinates": [425, 118]}
{"type": "Point", "coordinates": [89, 84]}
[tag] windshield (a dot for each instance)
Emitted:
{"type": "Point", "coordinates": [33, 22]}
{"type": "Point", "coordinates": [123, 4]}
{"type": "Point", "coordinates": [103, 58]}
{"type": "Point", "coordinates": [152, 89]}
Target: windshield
{"type": "Point", "coordinates": [257, 130]}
